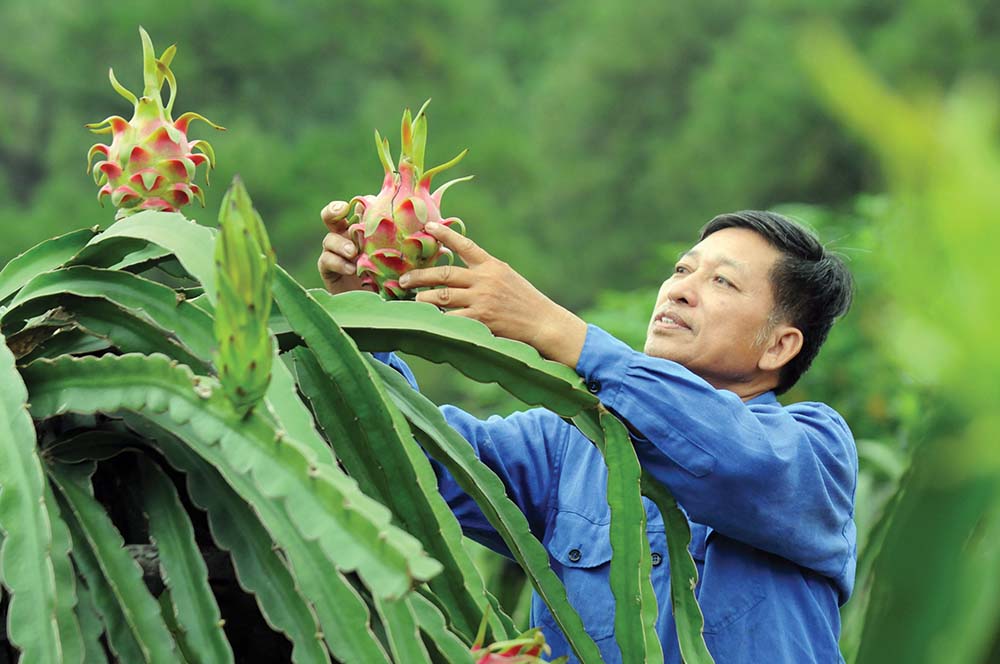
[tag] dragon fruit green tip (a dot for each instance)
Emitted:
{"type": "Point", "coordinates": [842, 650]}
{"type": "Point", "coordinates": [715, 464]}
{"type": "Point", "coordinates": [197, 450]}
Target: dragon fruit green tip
{"type": "Point", "coordinates": [388, 227]}
{"type": "Point", "coordinates": [150, 164]}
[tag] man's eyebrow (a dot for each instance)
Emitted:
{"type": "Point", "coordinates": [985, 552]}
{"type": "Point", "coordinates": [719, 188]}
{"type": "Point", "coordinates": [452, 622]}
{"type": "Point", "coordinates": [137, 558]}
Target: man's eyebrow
{"type": "Point", "coordinates": [724, 260]}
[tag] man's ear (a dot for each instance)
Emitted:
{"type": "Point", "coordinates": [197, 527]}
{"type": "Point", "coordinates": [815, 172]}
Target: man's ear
{"type": "Point", "coordinates": [784, 343]}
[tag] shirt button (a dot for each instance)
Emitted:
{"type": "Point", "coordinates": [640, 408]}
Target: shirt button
{"type": "Point", "coordinates": [594, 386]}
{"type": "Point", "coordinates": [574, 555]}
{"type": "Point", "coordinates": [657, 559]}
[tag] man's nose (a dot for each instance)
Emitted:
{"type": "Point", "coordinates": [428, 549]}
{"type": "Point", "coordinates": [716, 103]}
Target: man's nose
{"type": "Point", "coordinates": [682, 290]}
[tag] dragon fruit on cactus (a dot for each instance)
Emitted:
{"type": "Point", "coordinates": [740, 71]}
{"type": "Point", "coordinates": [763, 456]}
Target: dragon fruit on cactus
{"type": "Point", "coordinates": [150, 164]}
{"type": "Point", "coordinates": [525, 648]}
{"type": "Point", "coordinates": [388, 228]}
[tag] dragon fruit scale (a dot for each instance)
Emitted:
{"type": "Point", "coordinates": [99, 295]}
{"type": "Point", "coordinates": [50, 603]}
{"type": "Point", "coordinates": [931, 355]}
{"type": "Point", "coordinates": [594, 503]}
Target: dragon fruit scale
{"type": "Point", "coordinates": [388, 227]}
{"type": "Point", "coordinates": [525, 648]}
{"type": "Point", "coordinates": [150, 164]}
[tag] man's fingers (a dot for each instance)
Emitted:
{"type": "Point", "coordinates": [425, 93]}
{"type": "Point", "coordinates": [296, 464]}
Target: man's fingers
{"type": "Point", "coordinates": [470, 252]}
{"type": "Point", "coordinates": [446, 275]}
{"type": "Point", "coordinates": [446, 297]}
{"type": "Point", "coordinates": [332, 265]}
{"type": "Point", "coordinates": [334, 215]}
{"type": "Point", "coordinates": [464, 313]}
{"type": "Point", "coordinates": [339, 245]}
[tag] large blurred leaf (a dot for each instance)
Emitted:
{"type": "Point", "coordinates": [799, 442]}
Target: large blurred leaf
{"type": "Point", "coordinates": [932, 598]}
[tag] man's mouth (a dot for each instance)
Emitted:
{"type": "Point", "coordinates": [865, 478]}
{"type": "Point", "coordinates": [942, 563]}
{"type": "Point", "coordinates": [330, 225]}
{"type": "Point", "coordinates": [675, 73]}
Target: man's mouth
{"type": "Point", "coordinates": [670, 320]}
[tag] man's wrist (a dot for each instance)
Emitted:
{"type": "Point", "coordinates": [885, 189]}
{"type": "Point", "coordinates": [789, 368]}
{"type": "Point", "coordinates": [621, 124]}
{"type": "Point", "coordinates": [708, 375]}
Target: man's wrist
{"type": "Point", "coordinates": [561, 337]}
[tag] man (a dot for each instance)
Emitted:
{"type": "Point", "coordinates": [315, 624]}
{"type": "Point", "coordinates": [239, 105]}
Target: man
{"type": "Point", "coordinates": [768, 489]}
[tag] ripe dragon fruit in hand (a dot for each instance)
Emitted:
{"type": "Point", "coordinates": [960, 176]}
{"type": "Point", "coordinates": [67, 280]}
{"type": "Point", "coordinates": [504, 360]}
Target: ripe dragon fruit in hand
{"type": "Point", "coordinates": [388, 228]}
{"type": "Point", "coordinates": [150, 164]}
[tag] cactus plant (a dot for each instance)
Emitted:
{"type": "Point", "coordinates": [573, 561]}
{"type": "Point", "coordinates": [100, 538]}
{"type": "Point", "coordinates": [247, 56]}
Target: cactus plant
{"type": "Point", "coordinates": [193, 419]}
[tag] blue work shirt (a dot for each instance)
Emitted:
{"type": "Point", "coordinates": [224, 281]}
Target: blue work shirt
{"type": "Point", "coordinates": [768, 491]}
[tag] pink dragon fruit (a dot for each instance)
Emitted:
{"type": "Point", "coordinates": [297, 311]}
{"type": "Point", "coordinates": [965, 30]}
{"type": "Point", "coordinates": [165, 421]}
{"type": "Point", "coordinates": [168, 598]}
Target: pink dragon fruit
{"type": "Point", "coordinates": [388, 228]}
{"type": "Point", "coordinates": [150, 164]}
{"type": "Point", "coordinates": [526, 648]}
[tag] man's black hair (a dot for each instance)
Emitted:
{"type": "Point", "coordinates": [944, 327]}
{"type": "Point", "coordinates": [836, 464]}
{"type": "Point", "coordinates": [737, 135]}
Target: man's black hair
{"type": "Point", "coordinates": [812, 287]}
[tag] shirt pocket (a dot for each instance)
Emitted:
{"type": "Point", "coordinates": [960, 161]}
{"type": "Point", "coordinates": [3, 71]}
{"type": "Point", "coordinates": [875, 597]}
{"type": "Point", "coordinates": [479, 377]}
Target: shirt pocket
{"type": "Point", "coordinates": [582, 552]}
{"type": "Point", "coordinates": [729, 586]}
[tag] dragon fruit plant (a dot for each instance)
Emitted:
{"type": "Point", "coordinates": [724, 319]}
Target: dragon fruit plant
{"type": "Point", "coordinates": [388, 227]}
{"type": "Point", "coordinates": [150, 164]}
{"type": "Point", "coordinates": [159, 350]}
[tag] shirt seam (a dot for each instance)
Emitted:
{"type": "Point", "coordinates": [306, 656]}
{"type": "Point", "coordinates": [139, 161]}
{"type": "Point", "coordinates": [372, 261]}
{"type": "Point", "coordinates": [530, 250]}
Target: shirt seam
{"type": "Point", "coordinates": [558, 463]}
{"type": "Point", "coordinates": [617, 389]}
{"type": "Point", "coordinates": [583, 516]}
{"type": "Point", "coordinates": [849, 519]}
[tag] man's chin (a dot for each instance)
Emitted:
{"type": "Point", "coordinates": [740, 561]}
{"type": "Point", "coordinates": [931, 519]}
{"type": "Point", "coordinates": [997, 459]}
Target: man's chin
{"type": "Point", "coordinates": [657, 348]}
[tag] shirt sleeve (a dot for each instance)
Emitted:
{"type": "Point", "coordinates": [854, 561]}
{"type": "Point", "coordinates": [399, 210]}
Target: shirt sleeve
{"type": "Point", "coordinates": [393, 361]}
{"type": "Point", "coordinates": [779, 479]}
{"type": "Point", "coordinates": [524, 450]}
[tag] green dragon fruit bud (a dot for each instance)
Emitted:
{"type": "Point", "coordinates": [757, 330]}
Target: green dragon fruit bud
{"type": "Point", "coordinates": [388, 227]}
{"type": "Point", "coordinates": [244, 266]}
{"type": "Point", "coordinates": [150, 164]}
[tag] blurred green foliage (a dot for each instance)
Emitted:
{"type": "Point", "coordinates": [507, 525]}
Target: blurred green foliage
{"type": "Point", "coordinates": [602, 135]}
{"type": "Point", "coordinates": [932, 597]}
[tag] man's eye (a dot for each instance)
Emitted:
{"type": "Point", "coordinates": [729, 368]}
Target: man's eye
{"type": "Point", "coordinates": [680, 269]}
{"type": "Point", "coordinates": [725, 282]}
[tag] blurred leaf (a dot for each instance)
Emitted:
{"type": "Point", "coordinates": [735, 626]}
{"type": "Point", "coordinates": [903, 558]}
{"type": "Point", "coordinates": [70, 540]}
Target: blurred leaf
{"type": "Point", "coordinates": [932, 599]}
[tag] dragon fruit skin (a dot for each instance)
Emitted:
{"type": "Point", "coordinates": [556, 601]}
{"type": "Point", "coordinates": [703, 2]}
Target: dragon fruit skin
{"type": "Point", "coordinates": [388, 227]}
{"type": "Point", "coordinates": [150, 164]}
{"type": "Point", "coordinates": [526, 648]}
{"type": "Point", "coordinates": [511, 656]}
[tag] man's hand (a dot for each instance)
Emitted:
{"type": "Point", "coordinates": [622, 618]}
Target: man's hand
{"type": "Point", "coordinates": [491, 292]}
{"type": "Point", "coordinates": [336, 264]}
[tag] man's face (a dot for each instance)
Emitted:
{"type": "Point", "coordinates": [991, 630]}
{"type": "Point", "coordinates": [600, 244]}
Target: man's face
{"type": "Point", "coordinates": [712, 314]}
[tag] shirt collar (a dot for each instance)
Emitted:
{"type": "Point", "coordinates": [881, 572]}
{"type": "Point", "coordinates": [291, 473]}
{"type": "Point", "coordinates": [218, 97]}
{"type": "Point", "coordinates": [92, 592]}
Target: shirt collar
{"type": "Point", "coordinates": [765, 398]}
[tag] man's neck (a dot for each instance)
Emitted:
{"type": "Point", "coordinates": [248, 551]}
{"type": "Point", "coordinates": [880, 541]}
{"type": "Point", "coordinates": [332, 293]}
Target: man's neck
{"type": "Point", "coordinates": [748, 389]}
